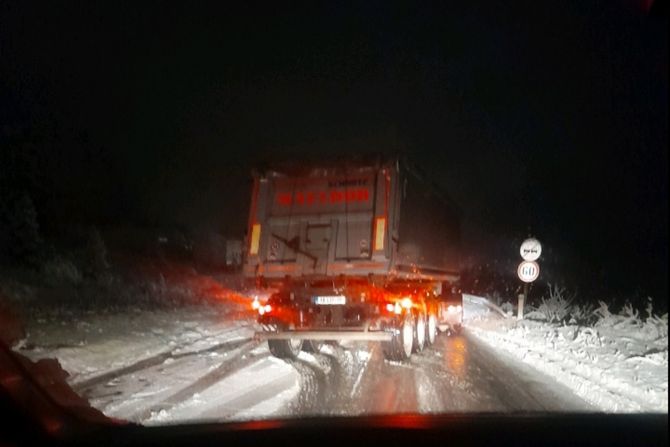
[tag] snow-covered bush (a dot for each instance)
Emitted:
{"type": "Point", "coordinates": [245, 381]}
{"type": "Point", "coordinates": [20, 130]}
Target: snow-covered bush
{"type": "Point", "coordinates": [603, 315]}
{"type": "Point", "coordinates": [652, 327]}
{"type": "Point", "coordinates": [655, 327]}
{"type": "Point", "coordinates": [555, 309]}
{"type": "Point", "coordinates": [628, 316]}
{"type": "Point", "coordinates": [583, 315]}
{"type": "Point", "coordinates": [535, 314]}
{"type": "Point", "coordinates": [508, 307]}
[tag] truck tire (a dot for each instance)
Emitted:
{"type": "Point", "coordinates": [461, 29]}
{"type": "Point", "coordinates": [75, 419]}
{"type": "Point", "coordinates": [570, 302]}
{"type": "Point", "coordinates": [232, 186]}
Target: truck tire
{"type": "Point", "coordinates": [431, 329]}
{"type": "Point", "coordinates": [400, 346]}
{"type": "Point", "coordinates": [419, 333]}
{"type": "Point", "coordinates": [312, 346]}
{"type": "Point", "coordinates": [285, 349]}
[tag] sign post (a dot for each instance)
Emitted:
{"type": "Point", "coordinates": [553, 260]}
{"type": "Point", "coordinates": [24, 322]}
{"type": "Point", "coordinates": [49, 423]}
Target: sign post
{"type": "Point", "coordinates": [528, 270]}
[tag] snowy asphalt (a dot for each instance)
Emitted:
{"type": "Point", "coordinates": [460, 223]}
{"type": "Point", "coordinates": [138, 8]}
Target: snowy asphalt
{"type": "Point", "coordinates": [239, 379]}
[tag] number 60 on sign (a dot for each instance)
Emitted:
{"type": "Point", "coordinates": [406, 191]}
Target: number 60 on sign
{"type": "Point", "coordinates": [528, 271]}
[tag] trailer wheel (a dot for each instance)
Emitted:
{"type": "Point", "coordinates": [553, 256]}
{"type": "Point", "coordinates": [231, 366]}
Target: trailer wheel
{"type": "Point", "coordinates": [312, 346]}
{"type": "Point", "coordinates": [285, 349]}
{"type": "Point", "coordinates": [419, 333]}
{"type": "Point", "coordinates": [400, 346]}
{"type": "Point", "coordinates": [431, 329]}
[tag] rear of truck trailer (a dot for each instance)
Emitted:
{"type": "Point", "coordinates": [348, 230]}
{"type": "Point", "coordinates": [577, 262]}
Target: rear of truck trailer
{"type": "Point", "coordinates": [378, 219]}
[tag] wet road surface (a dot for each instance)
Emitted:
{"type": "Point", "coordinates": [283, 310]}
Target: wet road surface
{"type": "Point", "coordinates": [457, 374]}
{"type": "Point", "coordinates": [241, 380]}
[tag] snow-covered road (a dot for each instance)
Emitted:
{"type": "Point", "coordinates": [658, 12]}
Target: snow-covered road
{"type": "Point", "coordinates": [202, 364]}
{"type": "Point", "coordinates": [211, 369]}
{"type": "Point", "coordinates": [242, 380]}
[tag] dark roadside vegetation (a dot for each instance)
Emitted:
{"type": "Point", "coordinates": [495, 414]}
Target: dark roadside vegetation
{"type": "Point", "coordinates": [50, 267]}
{"type": "Point", "coordinates": [78, 268]}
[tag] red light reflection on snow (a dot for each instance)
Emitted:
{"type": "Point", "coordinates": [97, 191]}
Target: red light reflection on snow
{"type": "Point", "coordinates": [207, 286]}
{"type": "Point", "coordinates": [456, 357]}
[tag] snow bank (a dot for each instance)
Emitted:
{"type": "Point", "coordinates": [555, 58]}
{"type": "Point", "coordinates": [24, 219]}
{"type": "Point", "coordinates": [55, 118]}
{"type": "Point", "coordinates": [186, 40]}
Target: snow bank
{"type": "Point", "coordinates": [618, 365]}
{"type": "Point", "coordinates": [88, 346]}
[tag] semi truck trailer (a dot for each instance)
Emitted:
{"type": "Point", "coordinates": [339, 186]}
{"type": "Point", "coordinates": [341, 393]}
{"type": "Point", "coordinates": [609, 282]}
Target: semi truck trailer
{"type": "Point", "coordinates": [358, 249]}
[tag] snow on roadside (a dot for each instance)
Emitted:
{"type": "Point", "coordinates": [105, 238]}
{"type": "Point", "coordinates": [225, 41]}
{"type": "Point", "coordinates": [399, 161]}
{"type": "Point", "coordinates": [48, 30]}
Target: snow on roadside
{"type": "Point", "coordinates": [176, 349]}
{"type": "Point", "coordinates": [618, 367]}
{"type": "Point", "coordinates": [91, 345]}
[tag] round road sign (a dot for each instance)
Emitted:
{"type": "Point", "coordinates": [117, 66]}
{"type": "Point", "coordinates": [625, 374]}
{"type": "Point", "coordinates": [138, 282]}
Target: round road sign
{"type": "Point", "coordinates": [531, 249]}
{"type": "Point", "coordinates": [528, 271]}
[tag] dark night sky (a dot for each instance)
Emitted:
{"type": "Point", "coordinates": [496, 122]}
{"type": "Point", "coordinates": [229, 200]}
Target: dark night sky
{"type": "Point", "coordinates": [536, 117]}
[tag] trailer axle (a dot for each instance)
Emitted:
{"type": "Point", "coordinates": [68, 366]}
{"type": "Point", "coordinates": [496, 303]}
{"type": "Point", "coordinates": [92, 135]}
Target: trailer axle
{"type": "Point", "coordinates": [324, 335]}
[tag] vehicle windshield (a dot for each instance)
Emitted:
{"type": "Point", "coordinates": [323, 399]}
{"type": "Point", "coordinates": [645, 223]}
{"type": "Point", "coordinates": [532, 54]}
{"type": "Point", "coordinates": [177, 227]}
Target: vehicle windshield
{"type": "Point", "coordinates": [217, 213]}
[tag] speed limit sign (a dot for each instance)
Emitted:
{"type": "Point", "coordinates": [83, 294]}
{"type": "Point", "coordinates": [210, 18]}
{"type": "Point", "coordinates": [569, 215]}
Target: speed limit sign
{"type": "Point", "coordinates": [528, 271]}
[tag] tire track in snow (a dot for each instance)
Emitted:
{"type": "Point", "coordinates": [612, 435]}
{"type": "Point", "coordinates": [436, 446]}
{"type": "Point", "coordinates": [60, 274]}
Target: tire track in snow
{"type": "Point", "coordinates": [84, 388]}
{"type": "Point", "coordinates": [243, 358]}
{"type": "Point", "coordinates": [313, 382]}
{"type": "Point", "coordinates": [249, 400]}
{"type": "Point", "coordinates": [325, 388]}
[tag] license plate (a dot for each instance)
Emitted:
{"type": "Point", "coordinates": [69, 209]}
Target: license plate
{"type": "Point", "coordinates": [331, 300]}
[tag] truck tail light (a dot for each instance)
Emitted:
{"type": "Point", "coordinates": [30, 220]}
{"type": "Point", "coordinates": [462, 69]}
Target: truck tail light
{"type": "Point", "coordinates": [397, 309]}
{"type": "Point", "coordinates": [380, 232]}
{"type": "Point", "coordinates": [264, 309]}
{"type": "Point", "coordinates": [398, 306]}
{"type": "Point", "coordinates": [255, 239]}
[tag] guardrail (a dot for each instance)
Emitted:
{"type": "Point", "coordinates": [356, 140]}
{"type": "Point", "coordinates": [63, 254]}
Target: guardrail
{"type": "Point", "coordinates": [485, 302]}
